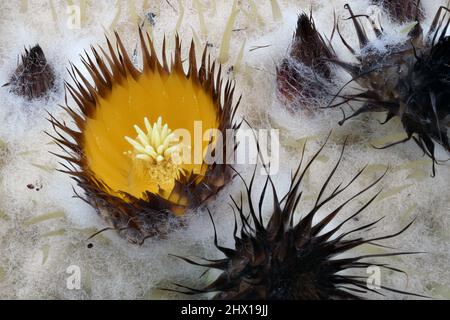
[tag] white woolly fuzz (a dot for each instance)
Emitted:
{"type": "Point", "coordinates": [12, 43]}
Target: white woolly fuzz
{"type": "Point", "coordinates": [44, 230]}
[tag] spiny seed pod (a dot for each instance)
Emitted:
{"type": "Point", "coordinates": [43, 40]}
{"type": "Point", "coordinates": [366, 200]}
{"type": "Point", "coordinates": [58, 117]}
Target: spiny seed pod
{"type": "Point", "coordinates": [308, 52]}
{"type": "Point", "coordinates": [409, 81]}
{"type": "Point", "coordinates": [284, 260]}
{"type": "Point", "coordinates": [402, 10]}
{"type": "Point", "coordinates": [123, 150]}
{"type": "Point", "coordinates": [34, 77]}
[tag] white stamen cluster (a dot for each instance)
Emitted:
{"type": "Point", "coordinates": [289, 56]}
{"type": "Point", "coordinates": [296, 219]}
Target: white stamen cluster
{"type": "Point", "coordinates": [157, 145]}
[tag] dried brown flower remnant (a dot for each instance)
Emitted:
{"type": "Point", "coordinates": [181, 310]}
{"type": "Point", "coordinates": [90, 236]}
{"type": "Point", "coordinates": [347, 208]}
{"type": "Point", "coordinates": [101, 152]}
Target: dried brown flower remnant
{"type": "Point", "coordinates": [283, 260]}
{"type": "Point", "coordinates": [409, 81]}
{"type": "Point", "coordinates": [307, 61]}
{"type": "Point", "coordinates": [34, 77]}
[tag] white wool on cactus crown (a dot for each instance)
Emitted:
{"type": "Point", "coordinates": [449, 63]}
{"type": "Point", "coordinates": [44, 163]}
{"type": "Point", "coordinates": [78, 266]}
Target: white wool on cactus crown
{"type": "Point", "coordinates": [44, 231]}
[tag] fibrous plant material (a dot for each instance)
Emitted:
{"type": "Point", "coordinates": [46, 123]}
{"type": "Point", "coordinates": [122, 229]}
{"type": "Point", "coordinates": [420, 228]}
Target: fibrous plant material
{"type": "Point", "coordinates": [287, 260]}
{"type": "Point", "coordinates": [402, 10]}
{"type": "Point", "coordinates": [308, 52]}
{"type": "Point", "coordinates": [123, 152]}
{"type": "Point", "coordinates": [34, 77]}
{"type": "Point", "coordinates": [409, 81]}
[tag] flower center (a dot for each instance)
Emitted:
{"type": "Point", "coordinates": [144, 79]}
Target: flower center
{"type": "Point", "coordinates": [156, 153]}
